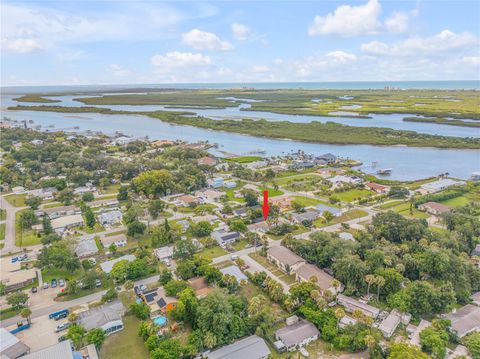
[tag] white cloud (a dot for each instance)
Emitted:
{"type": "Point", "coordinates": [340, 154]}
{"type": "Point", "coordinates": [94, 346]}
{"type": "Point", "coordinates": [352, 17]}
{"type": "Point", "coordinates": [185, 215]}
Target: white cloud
{"type": "Point", "coordinates": [397, 23]}
{"type": "Point", "coordinates": [443, 42]}
{"type": "Point", "coordinates": [472, 60]}
{"type": "Point", "coordinates": [202, 40]}
{"type": "Point", "coordinates": [240, 31]}
{"type": "Point", "coordinates": [341, 57]}
{"type": "Point", "coordinates": [258, 69]}
{"type": "Point", "coordinates": [20, 45]}
{"type": "Point", "coordinates": [119, 70]}
{"type": "Point", "coordinates": [348, 20]}
{"type": "Point", "coordinates": [180, 59]}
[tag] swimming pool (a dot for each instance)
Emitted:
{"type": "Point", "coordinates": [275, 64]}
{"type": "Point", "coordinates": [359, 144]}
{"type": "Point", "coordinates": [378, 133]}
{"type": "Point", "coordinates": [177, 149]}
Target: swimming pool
{"type": "Point", "coordinates": [160, 320]}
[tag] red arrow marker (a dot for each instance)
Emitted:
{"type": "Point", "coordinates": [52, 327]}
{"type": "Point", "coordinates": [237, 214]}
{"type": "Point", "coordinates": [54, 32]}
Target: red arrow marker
{"type": "Point", "coordinates": [265, 205]}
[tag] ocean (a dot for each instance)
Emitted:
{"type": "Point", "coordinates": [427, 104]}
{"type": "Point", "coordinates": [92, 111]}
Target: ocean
{"type": "Point", "coordinates": [353, 85]}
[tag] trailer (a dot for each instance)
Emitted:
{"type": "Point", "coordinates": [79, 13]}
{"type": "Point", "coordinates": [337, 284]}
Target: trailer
{"type": "Point", "coordinates": [63, 312]}
{"type": "Point", "coordinates": [20, 327]}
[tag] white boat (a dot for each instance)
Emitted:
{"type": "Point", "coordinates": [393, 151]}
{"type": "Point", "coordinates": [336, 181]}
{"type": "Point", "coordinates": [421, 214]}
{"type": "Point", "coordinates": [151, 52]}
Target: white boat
{"type": "Point", "coordinates": [384, 171]}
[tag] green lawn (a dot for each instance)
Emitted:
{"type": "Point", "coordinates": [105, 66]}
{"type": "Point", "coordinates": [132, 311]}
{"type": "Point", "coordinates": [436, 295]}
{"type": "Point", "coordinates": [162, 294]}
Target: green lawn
{"type": "Point", "coordinates": [53, 205]}
{"type": "Point", "coordinates": [2, 231]}
{"type": "Point", "coordinates": [284, 277]}
{"type": "Point", "coordinates": [244, 159]}
{"type": "Point", "coordinates": [297, 177]}
{"type": "Point", "coordinates": [3, 214]}
{"type": "Point", "coordinates": [24, 238]}
{"type": "Point", "coordinates": [8, 313]}
{"type": "Point", "coordinates": [51, 273]}
{"type": "Point", "coordinates": [17, 200]}
{"type": "Point", "coordinates": [126, 343]}
{"type": "Point", "coordinates": [212, 252]}
{"type": "Point", "coordinates": [404, 210]}
{"type": "Point", "coordinates": [347, 216]}
{"type": "Point", "coordinates": [353, 195]}
{"type": "Point", "coordinates": [110, 189]}
{"type": "Point", "coordinates": [272, 192]}
{"type": "Point", "coordinates": [456, 202]}
{"type": "Point", "coordinates": [97, 228]}
{"type": "Point", "coordinates": [240, 244]}
{"type": "Point", "coordinates": [309, 202]}
{"type": "Point", "coordinates": [389, 205]}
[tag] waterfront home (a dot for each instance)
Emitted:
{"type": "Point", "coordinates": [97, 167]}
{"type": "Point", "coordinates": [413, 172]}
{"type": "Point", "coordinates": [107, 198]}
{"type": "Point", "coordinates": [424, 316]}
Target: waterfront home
{"type": "Point", "coordinates": [224, 237]}
{"type": "Point", "coordinates": [295, 336]}
{"type": "Point", "coordinates": [86, 248]}
{"type": "Point", "coordinates": [108, 265]}
{"type": "Point", "coordinates": [352, 304]}
{"type": "Point", "coordinates": [378, 188]}
{"type": "Point", "coordinates": [285, 259]}
{"type": "Point", "coordinates": [235, 272]}
{"type": "Point", "coordinates": [158, 301]}
{"type": "Point", "coordinates": [465, 320]}
{"type": "Point", "coordinates": [119, 240]}
{"type": "Point", "coordinates": [207, 161]}
{"type": "Point", "coordinates": [107, 317]}
{"type": "Point", "coordinates": [327, 158]}
{"type": "Point", "coordinates": [440, 185]}
{"type": "Point", "coordinates": [252, 347]}
{"type": "Point", "coordinates": [305, 216]}
{"type": "Point", "coordinates": [311, 273]}
{"type": "Point", "coordinates": [11, 347]}
{"type": "Point", "coordinates": [110, 218]}
{"type": "Point", "coordinates": [300, 165]}
{"type": "Point", "coordinates": [61, 224]}
{"type": "Point", "coordinates": [434, 208]}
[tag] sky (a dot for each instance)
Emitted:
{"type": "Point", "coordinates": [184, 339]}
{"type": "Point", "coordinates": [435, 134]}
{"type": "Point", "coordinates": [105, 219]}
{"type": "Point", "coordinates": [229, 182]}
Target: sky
{"type": "Point", "coordinates": [140, 42]}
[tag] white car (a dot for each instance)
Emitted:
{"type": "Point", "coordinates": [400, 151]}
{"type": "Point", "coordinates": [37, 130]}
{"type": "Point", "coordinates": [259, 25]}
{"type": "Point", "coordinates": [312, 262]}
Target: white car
{"type": "Point", "coordinates": [234, 257]}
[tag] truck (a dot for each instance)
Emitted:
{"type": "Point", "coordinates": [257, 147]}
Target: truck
{"type": "Point", "coordinates": [61, 313]}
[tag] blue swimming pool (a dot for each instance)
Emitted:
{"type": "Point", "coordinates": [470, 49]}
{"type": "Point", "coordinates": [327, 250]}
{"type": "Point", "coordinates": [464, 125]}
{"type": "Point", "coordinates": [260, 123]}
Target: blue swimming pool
{"type": "Point", "coordinates": [160, 320]}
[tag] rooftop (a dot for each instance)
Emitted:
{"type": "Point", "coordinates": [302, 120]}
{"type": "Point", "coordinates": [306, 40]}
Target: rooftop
{"type": "Point", "coordinates": [284, 255]}
{"type": "Point", "coordinates": [296, 333]}
{"type": "Point", "coordinates": [108, 265]}
{"type": "Point", "coordinates": [234, 271]}
{"type": "Point", "coordinates": [323, 279]}
{"type": "Point", "coordinates": [252, 347]}
{"type": "Point", "coordinates": [98, 316]}
{"type": "Point", "coordinates": [62, 350]}
{"type": "Point", "coordinates": [465, 319]}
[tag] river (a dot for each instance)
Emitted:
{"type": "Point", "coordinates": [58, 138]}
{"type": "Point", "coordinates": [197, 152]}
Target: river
{"type": "Point", "coordinates": [408, 163]}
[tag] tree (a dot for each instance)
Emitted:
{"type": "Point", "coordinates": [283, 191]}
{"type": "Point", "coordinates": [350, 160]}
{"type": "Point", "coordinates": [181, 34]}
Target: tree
{"type": "Point", "coordinates": [136, 228]}
{"type": "Point", "coordinates": [238, 226]}
{"type": "Point", "coordinates": [27, 219]}
{"type": "Point", "coordinates": [17, 300]}
{"type": "Point", "coordinates": [398, 192]}
{"type": "Point", "coordinates": [167, 349]}
{"type": "Point", "coordinates": [122, 193]}
{"type": "Point", "coordinates": [380, 282]}
{"type": "Point", "coordinates": [434, 341]}
{"type": "Point", "coordinates": [165, 276]}
{"type": "Point", "coordinates": [119, 271]}
{"type": "Point", "coordinates": [251, 197]}
{"type": "Point", "coordinates": [369, 279]}
{"type": "Point", "coordinates": [65, 196]}
{"type": "Point", "coordinates": [75, 334]}
{"type": "Point", "coordinates": [186, 308]}
{"type": "Point", "coordinates": [50, 238]}
{"type": "Point", "coordinates": [298, 206]}
{"type": "Point", "coordinates": [110, 294]}
{"type": "Point", "coordinates": [328, 216]}
{"type": "Point", "coordinates": [140, 310]}
{"type": "Point", "coordinates": [88, 197]}
{"type": "Point", "coordinates": [154, 182]}
{"type": "Point", "coordinates": [472, 342]}
{"type": "Point", "coordinates": [201, 229]}
{"type": "Point", "coordinates": [33, 202]}
{"type": "Point", "coordinates": [59, 255]}
{"type": "Point", "coordinates": [173, 287]}
{"type": "Point", "coordinates": [405, 351]}
{"type": "Point", "coordinates": [96, 336]}
{"type": "Point", "coordinates": [229, 282]}
{"type": "Point", "coordinates": [129, 284]}
{"type": "Point", "coordinates": [155, 207]}
{"type": "Point", "coordinates": [46, 224]}
{"type": "Point", "coordinates": [90, 219]}
{"type": "Point", "coordinates": [26, 313]}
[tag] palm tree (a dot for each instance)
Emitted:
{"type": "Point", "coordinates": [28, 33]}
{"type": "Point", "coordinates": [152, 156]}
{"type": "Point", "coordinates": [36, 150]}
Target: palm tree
{"type": "Point", "coordinates": [370, 279]}
{"type": "Point", "coordinates": [370, 341]}
{"type": "Point", "coordinates": [336, 284]}
{"type": "Point", "coordinates": [380, 282]}
{"type": "Point", "coordinates": [26, 313]}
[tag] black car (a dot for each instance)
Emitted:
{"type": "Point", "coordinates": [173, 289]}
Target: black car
{"type": "Point", "coordinates": [61, 316]}
{"type": "Point", "coordinates": [34, 289]}
{"type": "Point", "coordinates": [62, 338]}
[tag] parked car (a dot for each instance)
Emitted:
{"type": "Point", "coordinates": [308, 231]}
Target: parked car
{"type": "Point", "coordinates": [62, 338]}
{"type": "Point", "coordinates": [34, 289]}
{"type": "Point", "coordinates": [98, 283]}
{"type": "Point", "coordinates": [234, 257]}
{"type": "Point", "coordinates": [62, 327]}
{"type": "Point", "coordinates": [61, 283]}
{"type": "Point", "coordinates": [45, 285]}
{"type": "Point", "coordinates": [14, 259]}
{"type": "Point", "coordinates": [54, 283]}
{"type": "Point", "coordinates": [93, 261]}
{"type": "Point", "coordinates": [61, 316]}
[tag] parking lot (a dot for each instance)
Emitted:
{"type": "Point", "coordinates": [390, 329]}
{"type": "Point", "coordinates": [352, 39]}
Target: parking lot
{"type": "Point", "coordinates": [41, 333]}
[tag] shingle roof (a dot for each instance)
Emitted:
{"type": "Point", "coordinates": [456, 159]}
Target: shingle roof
{"type": "Point", "coordinates": [296, 333]}
{"type": "Point", "coordinates": [252, 347]}
{"type": "Point", "coordinates": [98, 316]}
{"type": "Point", "coordinates": [62, 350]}
{"type": "Point", "coordinates": [465, 319]}
{"type": "Point", "coordinates": [284, 255]}
{"type": "Point", "coordinates": [307, 271]}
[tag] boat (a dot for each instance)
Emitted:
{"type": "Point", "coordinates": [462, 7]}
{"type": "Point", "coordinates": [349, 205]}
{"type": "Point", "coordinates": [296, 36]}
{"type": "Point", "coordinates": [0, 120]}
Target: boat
{"type": "Point", "coordinates": [259, 151]}
{"type": "Point", "coordinates": [384, 171]}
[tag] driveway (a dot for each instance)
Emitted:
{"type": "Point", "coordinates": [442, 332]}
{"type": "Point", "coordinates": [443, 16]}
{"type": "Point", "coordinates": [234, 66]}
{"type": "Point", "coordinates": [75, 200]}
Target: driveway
{"type": "Point", "coordinates": [9, 242]}
{"type": "Point", "coordinates": [254, 266]}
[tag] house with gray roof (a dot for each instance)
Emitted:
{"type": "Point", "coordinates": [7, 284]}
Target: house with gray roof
{"type": "Point", "coordinates": [224, 237]}
{"type": "Point", "coordinates": [86, 248]}
{"type": "Point", "coordinates": [284, 258]}
{"type": "Point", "coordinates": [440, 185]}
{"type": "Point", "coordinates": [352, 304]}
{"type": "Point", "coordinates": [107, 317]}
{"type": "Point", "coordinates": [10, 346]}
{"type": "Point", "coordinates": [252, 347]}
{"type": "Point", "coordinates": [110, 218]}
{"type": "Point", "coordinates": [307, 272]}
{"type": "Point", "coordinates": [296, 335]}
{"type": "Point", "coordinates": [465, 320]}
{"type": "Point", "coordinates": [234, 271]}
{"type": "Point", "coordinates": [62, 350]}
{"type": "Point", "coordinates": [305, 216]}
{"type": "Point", "coordinates": [390, 324]}
{"type": "Point", "coordinates": [108, 265]}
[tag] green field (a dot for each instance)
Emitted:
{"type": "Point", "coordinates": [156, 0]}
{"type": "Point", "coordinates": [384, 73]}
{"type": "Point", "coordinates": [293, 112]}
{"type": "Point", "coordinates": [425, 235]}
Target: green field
{"type": "Point", "coordinates": [244, 159]}
{"type": "Point", "coordinates": [212, 252]}
{"type": "Point", "coordinates": [126, 343]}
{"type": "Point", "coordinates": [353, 195]}
{"type": "Point", "coordinates": [2, 231]}
{"type": "Point", "coordinates": [17, 200]}
{"type": "Point", "coordinates": [50, 273]}
{"type": "Point", "coordinates": [347, 216]}
{"type": "Point", "coordinates": [309, 202]}
{"type": "Point", "coordinates": [3, 214]}
{"type": "Point", "coordinates": [404, 209]}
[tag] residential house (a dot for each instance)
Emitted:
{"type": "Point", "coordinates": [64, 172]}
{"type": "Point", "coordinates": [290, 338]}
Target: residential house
{"type": "Point", "coordinates": [465, 320]}
{"type": "Point", "coordinates": [345, 321]}
{"type": "Point", "coordinates": [322, 208]}
{"type": "Point", "coordinates": [184, 223]}
{"type": "Point", "coordinates": [305, 216]}
{"type": "Point", "coordinates": [256, 164]}
{"type": "Point", "coordinates": [110, 218]}
{"type": "Point", "coordinates": [209, 195]}
{"type": "Point", "coordinates": [199, 284]}
{"type": "Point", "coordinates": [328, 172]}
{"type": "Point", "coordinates": [211, 218]}
{"type": "Point", "coordinates": [284, 203]}
{"type": "Point", "coordinates": [61, 224]}
{"type": "Point", "coordinates": [164, 254]}
{"type": "Point", "coordinates": [216, 182]}
{"type": "Point", "coordinates": [440, 185]}
{"type": "Point", "coordinates": [252, 347]}
{"type": "Point", "coordinates": [84, 189]}
{"type": "Point", "coordinates": [233, 270]}
{"type": "Point", "coordinates": [64, 350]}
{"type": "Point", "coordinates": [224, 237]}
{"type": "Point", "coordinates": [108, 265]}
{"type": "Point", "coordinates": [10, 346]}
{"type": "Point", "coordinates": [103, 203]}
{"type": "Point", "coordinates": [43, 193]}
{"type": "Point", "coordinates": [285, 259]}
{"type": "Point", "coordinates": [259, 227]}
{"type": "Point", "coordinates": [390, 323]}
{"type": "Point", "coordinates": [187, 200]}
{"type": "Point", "coordinates": [120, 240]}
{"type": "Point", "coordinates": [352, 304]}
{"type": "Point", "coordinates": [107, 317]}
{"type": "Point", "coordinates": [207, 161]}
{"type": "Point", "coordinates": [56, 212]}
{"type": "Point", "coordinates": [122, 140]}
{"type": "Point", "coordinates": [14, 277]}
{"type": "Point", "coordinates": [339, 180]}
{"type": "Point", "coordinates": [86, 248]}
{"type": "Point", "coordinates": [434, 208]}
{"type": "Point", "coordinates": [381, 189]}
{"type": "Point", "coordinates": [158, 301]}
{"type": "Point", "coordinates": [476, 298]}
{"type": "Point", "coordinates": [308, 272]}
{"type": "Point", "coordinates": [36, 142]}
{"type": "Point", "coordinates": [18, 190]}
{"type": "Point", "coordinates": [229, 184]}
{"type": "Point", "coordinates": [296, 335]}
{"type": "Point", "coordinates": [460, 351]}
{"type": "Point", "coordinates": [476, 251]}
{"type": "Point", "coordinates": [328, 158]}
{"type": "Point", "coordinates": [162, 143]}
{"type": "Point", "coordinates": [300, 165]}
{"type": "Point", "coordinates": [347, 236]}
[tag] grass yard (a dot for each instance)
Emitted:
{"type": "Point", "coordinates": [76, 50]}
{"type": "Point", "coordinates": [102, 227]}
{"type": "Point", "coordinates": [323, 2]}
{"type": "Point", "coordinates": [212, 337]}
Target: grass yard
{"type": "Point", "coordinates": [3, 214]}
{"type": "Point", "coordinates": [126, 343]}
{"type": "Point", "coordinates": [24, 238]}
{"type": "Point", "coordinates": [272, 192]}
{"type": "Point", "coordinates": [288, 279]}
{"type": "Point", "coordinates": [2, 231]}
{"type": "Point", "coordinates": [238, 245]}
{"type": "Point", "coordinates": [244, 159]}
{"type": "Point", "coordinates": [347, 216]}
{"type": "Point", "coordinates": [212, 252]}
{"type": "Point", "coordinates": [389, 205]}
{"type": "Point", "coordinates": [404, 210]}
{"type": "Point", "coordinates": [51, 273]}
{"type": "Point", "coordinates": [353, 195]}
{"type": "Point", "coordinates": [110, 189]}
{"type": "Point", "coordinates": [53, 205]}
{"type": "Point", "coordinates": [17, 200]}
{"type": "Point", "coordinates": [8, 313]}
{"type": "Point", "coordinates": [309, 202]}
{"type": "Point", "coordinates": [97, 228]}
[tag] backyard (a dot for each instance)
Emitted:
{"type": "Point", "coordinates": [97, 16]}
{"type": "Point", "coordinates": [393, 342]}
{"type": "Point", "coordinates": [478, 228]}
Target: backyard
{"type": "Point", "coordinates": [347, 216]}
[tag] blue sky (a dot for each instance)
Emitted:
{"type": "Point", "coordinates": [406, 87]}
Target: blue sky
{"type": "Point", "coordinates": [118, 42]}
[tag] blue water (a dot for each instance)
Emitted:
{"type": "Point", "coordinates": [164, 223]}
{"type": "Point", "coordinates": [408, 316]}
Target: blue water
{"type": "Point", "coordinates": [161, 321]}
{"type": "Point", "coordinates": [354, 85]}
